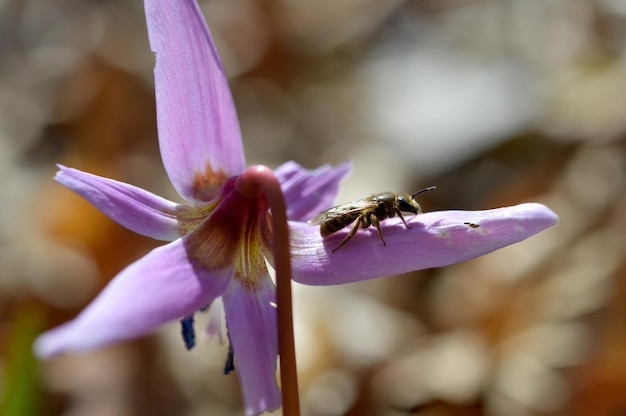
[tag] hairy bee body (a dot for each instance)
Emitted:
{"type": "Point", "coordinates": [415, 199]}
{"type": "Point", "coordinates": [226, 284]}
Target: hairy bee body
{"type": "Point", "coordinates": [335, 224]}
{"type": "Point", "coordinates": [366, 212]}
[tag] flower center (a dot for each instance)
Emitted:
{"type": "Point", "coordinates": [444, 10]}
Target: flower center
{"type": "Point", "coordinates": [236, 233]}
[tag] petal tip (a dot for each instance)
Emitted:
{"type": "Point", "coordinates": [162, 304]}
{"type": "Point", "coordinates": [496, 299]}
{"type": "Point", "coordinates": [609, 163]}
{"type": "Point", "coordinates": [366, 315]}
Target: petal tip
{"type": "Point", "coordinates": [61, 171]}
{"type": "Point", "coordinates": [43, 347]}
{"type": "Point", "coordinates": [541, 213]}
{"type": "Point", "coordinates": [64, 174]}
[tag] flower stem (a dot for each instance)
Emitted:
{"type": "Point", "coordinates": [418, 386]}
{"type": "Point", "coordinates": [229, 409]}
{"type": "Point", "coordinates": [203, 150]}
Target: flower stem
{"type": "Point", "coordinates": [261, 179]}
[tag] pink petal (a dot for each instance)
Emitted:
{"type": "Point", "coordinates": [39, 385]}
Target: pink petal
{"type": "Point", "coordinates": [436, 239]}
{"type": "Point", "coordinates": [308, 192]}
{"type": "Point", "coordinates": [134, 208]}
{"type": "Point", "coordinates": [160, 287]}
{"type": "Point", "coordinates": [252, 328]}
{"type": "Point", "coordinates": [198, 128]}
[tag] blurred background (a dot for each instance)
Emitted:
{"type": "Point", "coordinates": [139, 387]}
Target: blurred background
{"type": "Point", "coordinates": [496, 102]}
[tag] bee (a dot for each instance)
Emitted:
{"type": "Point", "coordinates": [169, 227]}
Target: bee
{"type": "Point", "coordinates": [366, 212]}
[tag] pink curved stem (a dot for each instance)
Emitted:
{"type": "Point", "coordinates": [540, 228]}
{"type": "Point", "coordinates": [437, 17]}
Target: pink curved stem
{"type": "Point", "coordinates": [253, 182]}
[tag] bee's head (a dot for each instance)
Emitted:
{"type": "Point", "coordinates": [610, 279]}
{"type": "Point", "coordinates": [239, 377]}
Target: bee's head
{"type": "Point", "coordinates": [406, 203]}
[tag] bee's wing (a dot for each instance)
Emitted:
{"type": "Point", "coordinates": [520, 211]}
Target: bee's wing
{"type": "Point", "coordinates": [343, 209]}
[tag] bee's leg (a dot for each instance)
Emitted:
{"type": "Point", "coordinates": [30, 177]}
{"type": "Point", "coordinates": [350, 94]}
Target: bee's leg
{"type": "Point", "coordinates": [376, 223]}
{"type": "Point", "coordinates": [353, 231]}
{"type": "Point", "coordinates": [402, 218]}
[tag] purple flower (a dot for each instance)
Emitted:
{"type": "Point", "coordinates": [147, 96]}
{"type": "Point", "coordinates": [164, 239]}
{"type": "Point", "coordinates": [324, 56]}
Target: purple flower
{"type": "Point", "coordinates": [221, 238]}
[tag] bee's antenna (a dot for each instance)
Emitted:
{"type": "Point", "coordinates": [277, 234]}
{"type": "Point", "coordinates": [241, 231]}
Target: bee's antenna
{"type": "Point", "coordinates": [430, 188]}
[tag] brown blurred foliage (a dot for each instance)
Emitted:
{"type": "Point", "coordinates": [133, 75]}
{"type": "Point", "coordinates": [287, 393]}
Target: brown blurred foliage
{"type": "Point", "coordinates": [496, 103]}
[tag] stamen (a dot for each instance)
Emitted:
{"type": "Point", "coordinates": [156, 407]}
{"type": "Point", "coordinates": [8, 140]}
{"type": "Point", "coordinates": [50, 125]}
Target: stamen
{"type": "Point", "coordinates": [230, 359]}
{"type": "Point", "coordinates": [188, 332]}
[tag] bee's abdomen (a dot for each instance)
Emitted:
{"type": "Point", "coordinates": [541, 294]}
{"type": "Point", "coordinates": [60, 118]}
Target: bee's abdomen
{"type": "Point", "coordinates": [333, 225]}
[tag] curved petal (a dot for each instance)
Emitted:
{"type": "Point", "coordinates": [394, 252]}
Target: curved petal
{"type": "Point", "coordinates": [436, 239]}
{"type": "Point", "coordinates": [134, 208]}
{"type": "Point", "coordinates": [160, 287]}
{"type": "Point", "coordinates": [252, 329]}
{"type": "Point", "coordinates": [199, 132]}
{"type": "Point", "coordinates": [308, 192]}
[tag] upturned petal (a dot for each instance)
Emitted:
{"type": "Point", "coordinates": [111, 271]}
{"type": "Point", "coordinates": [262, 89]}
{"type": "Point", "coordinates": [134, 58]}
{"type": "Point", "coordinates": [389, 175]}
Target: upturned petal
{"type": "Point", "coordinates": [436, 239]}
{"type": "Point", "coordinates": [199, 132]}
{"type": "Point", "coordinates": [308, 192]}
{"type": "Point", "coordinates": [160, 287]}
{"type": "Point", "coordinates": [252, 328]}
{"type": "Point", "coordinates": [134, 208]}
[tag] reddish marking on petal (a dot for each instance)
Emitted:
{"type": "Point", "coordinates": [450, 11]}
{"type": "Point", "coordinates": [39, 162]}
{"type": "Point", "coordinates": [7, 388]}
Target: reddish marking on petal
{"type": "Point", "coordinates": [207, 184]}
{"type": "Point", "coordinates": [191, 216]}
